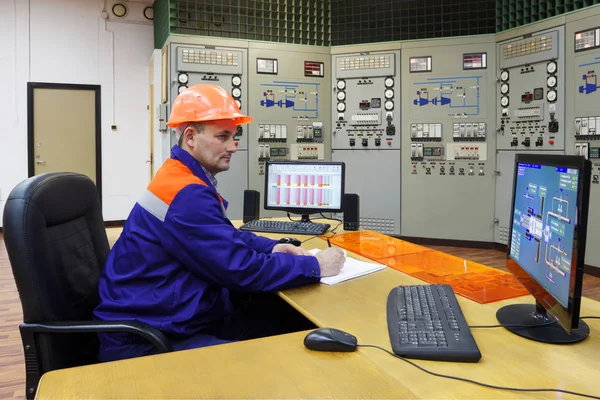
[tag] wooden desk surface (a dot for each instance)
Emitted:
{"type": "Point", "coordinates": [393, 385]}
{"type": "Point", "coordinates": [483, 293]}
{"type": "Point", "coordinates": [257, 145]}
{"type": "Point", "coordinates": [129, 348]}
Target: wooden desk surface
{"type": "Point", "coordinates": [252, 369]}
{"type": "Point", "coordinates": [266, 368]}
{"type": "Point", "coordinates": [359, 307]}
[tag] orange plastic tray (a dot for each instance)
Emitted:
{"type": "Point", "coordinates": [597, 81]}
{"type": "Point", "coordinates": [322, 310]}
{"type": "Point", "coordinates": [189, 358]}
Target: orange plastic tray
{"type": "Point", "coordinates": [474, 281]}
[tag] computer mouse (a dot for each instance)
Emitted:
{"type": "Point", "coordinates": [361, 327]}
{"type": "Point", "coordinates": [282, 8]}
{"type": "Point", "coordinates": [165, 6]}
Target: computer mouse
{"type": "Point", "coordinates": [290, 240]}
{"type": "Point", "coordinates": [330, 339]}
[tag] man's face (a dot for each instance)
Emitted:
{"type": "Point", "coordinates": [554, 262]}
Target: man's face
{"type": "Point", "coordinates": [214, 146]}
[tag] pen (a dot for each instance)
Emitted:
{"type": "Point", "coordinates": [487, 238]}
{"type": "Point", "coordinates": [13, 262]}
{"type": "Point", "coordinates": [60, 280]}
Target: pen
{"type": "Point", "coordinates": [328, 242]}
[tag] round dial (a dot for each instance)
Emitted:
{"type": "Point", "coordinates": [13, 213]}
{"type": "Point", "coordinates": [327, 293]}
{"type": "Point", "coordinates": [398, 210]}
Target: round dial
{"type": "Point", "coordinates": [341, 85]}
{"type": "Point", "coordinates": [236, 80]}
{"type": "Point", "coordinates": [183, 78]}
{"type": "Point", "coordinates": [504, 88]}
{"type": "Point", "coordinates": [341, 96]}
{"type": "Point", "coordinates": [181, 88]}
{"type": "Point", "coordinates": [389, 82]}
{"type": "Point", "coordinates": [504, 101]}
{"type": "Point", "coordinates": [551, 81]}
{"type": "Point", "coordinates": [389, 105]}
{"type": "Point", "coordinates": [389, 93]}
{"type": "Point", "coordinates": [551, 68]}
{"type": "Point", "coordinates": [236, 92]}
{"type": "Point", "coordinates": [239, 103]}
{"type": "Point", "coordinates": [504, 76]}
{"type": "Point", "coordinates": [551, 95]}
{"type": "Point", "coordinates": [341, 107]}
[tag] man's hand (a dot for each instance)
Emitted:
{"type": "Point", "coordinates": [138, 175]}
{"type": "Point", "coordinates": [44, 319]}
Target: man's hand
{"type": "Point", "coordinates": [290, 249]}
{"type": "Point", "coordinates": [331, 261]}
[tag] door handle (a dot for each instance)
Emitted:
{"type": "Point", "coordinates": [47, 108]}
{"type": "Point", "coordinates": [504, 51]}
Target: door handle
{"type": "Point", "coordinates": [40, 162]}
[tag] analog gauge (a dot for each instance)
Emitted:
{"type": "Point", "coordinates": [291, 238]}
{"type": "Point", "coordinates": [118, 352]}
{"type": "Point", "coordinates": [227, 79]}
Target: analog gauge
{"type": "Point", "coordinates": [389, 82]}
{"type": "Point", "coordinates": [504, 88]}
{"type": "Point", "coordinates": [183, 78]}
{"type": "Point", "coordinates": [236, 92]}
{"type": "Point", "coordinates": [341, 85]}
{"type": "Point", "coordinates": [341, 107]}
{"type": "Point", "coordinates": [236, 80]}
{"type": "Point", "coordinates": [181, 88]}
{"type": "Point", "coordinates": [551, 68]}
{"type": "Point", "coordinates": [341, 96]}
{"type": "Point", "coordinates": [239, 103]}
{"type": "Point", "coordinates": [389, 93]}
{"type": "Point", "coordinates": [504, 76]}
{"type": "Point", "coordinates": [389, 105]}
{"type": "Point", "coordinates": [551, 95]}
{"type": "Point", "coordinates": [551, 81]}
{"type": "Point", "coordinates": [504, 101]}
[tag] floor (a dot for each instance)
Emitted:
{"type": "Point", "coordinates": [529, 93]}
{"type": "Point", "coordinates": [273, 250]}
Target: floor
{"type": "Point", "coordinates": [12, 370]}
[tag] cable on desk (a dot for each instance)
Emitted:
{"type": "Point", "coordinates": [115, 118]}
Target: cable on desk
{"type": "Point", "coordinates": [329, 237]}
{"type": "Point", "coordinates": [475, 382]}
{"type": "Point", "coordinates": [331, 219]}
{"type": "Point", "coordinates": [511, 326]}
{"type": "Point", "coordinates": [524, 326]}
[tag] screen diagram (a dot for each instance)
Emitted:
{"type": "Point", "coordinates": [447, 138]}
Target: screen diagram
{"type": "Point", "coordinates": [544, 225]}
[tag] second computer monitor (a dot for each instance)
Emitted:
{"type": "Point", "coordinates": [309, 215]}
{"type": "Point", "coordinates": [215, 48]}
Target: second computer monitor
{"type": "Point", "coordinates": [304, 187]}
{"type": "Point", "coordinates": [547, 246]}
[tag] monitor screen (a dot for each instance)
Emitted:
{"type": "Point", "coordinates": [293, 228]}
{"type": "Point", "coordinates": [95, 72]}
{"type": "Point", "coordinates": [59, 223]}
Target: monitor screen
{"type": "Point", "coordinates": [546, 246]}
{"type": "Point", "coordinates": [544, 225]}
{"type": "Point", "coordinates": [304, 187]}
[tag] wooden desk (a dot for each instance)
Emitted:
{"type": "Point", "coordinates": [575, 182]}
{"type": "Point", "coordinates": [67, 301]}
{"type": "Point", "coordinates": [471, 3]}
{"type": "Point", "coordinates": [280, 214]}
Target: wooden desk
{"type": "Point", "coordinates": [255, 369]}
{"type": "Point", "coordinates": [273, 367]}
{"type": "Point", "coordinates": [359, 307]}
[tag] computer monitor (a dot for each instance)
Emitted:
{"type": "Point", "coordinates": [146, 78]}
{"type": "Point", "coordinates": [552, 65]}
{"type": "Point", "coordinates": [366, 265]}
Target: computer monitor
{"type": "Point", "coordinates": [304, 187]}
{"type": "Point", "coordinates": [546, 246]}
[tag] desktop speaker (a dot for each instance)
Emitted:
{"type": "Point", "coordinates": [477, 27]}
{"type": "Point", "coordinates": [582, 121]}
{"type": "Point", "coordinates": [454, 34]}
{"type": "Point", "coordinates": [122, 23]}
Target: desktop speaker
{"type": "Point", "coordinates": [350, 209]}
{"type": "Point", "coordinates": [251, 205]}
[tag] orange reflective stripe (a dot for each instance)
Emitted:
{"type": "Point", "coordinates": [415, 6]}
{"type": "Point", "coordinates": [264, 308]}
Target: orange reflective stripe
{"type": "Point", "coordinates": [171, 178]}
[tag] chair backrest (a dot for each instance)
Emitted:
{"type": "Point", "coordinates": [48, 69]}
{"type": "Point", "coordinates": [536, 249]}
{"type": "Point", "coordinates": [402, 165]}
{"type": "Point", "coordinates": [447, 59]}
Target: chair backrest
{"type": "Point", "coordinates": [57, 246]}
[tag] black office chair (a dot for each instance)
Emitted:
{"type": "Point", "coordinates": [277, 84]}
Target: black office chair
{"type": "Point", "coordinates": [57, 247]}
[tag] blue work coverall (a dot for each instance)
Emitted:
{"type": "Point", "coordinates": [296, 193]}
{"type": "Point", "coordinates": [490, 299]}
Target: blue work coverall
{"type": "Point", "coordinates": [177, 260]}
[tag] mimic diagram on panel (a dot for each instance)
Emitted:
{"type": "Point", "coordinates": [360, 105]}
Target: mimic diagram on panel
{"type": "Point", "coordinates": [589, 83]}
{"type": "Point", "coordinates": [461, 94]}
{"type": "Point", "coordinates": [545, 220]}
{"type": "Point", "coordinates": [300, 98]}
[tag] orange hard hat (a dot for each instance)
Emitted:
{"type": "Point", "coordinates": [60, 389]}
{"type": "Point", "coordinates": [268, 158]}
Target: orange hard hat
{"type": "Point", "coordinates": [205, 102]}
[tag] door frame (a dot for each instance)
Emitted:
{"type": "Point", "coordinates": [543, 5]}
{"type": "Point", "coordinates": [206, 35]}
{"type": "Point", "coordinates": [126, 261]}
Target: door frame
{"type": "Point", "coordinates": [31, 86]}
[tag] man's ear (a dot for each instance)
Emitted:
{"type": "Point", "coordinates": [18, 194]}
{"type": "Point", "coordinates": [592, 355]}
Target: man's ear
{"type": "Point", "coordinates": [188, 136]}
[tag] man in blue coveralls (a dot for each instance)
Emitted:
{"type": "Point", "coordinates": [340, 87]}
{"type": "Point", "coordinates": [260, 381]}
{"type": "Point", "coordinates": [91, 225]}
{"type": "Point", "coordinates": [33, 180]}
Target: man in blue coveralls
{"type": "Point", "coordinates": [179, 261]}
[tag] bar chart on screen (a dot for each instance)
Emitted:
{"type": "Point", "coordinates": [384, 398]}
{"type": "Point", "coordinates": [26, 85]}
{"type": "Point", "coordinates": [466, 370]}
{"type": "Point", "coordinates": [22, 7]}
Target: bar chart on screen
{"type": "Point", "coordinates": [312, 186]}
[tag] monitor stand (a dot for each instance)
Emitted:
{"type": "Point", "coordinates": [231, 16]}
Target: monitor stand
{"type": "Point", "coordinates": [305, 218]}
{"type": "Point", "coordinates": [530, 315]}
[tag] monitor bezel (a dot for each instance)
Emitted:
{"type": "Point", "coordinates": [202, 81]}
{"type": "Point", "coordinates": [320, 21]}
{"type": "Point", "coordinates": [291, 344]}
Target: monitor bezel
{"type": "Point", "coordinates": [304, 210]}
{"type": "Point", "coordinates": [567, 317]}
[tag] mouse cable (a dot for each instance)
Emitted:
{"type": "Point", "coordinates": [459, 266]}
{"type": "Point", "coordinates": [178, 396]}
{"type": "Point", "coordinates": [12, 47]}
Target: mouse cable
{"type": "Point", "coordinates": [523, 326]}
{"type": "Point", "coordinates": [328, 237]}
{"type": "Point", "coordinates": [475, 382]}
{"type": "Point", "coordinates": [511, 326]}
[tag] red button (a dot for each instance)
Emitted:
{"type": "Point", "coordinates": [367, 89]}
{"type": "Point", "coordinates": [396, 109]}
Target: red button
{"type": "Point", "coordinates": [551, 141]}
{"type": "Point", "coordinates": [236, 143]}
{"type": "Point", "coordinates": [389, 143]}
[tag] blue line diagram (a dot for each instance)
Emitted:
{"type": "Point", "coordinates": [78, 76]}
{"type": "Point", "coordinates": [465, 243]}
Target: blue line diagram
{"type": "Point", "coordinates": [591, 63]}
{"type": "Point", "coordinates": [288, 95]}
{"type": "Point", "coordinates": [590, 79]}
{"type": "Point", "coordinates": [451, 91]}
{"type": "Point", "coordinates": [590, 85]}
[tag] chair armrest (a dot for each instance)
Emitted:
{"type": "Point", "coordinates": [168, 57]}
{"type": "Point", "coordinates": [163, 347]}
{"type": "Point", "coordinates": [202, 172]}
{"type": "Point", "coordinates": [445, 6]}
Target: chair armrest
{"type": "Point", "coordinates": [148, 332]}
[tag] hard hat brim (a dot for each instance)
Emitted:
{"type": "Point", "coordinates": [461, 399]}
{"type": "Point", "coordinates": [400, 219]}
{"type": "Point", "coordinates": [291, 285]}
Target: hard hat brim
{"type": "Point", "coordinates": [237, 119]}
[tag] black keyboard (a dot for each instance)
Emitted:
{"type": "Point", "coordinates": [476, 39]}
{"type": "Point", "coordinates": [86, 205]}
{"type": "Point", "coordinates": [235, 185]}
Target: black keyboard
{"type": "Point", "coordinates": [291, 227]}
{"type": "Point", "coordinates": [426, 322]}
